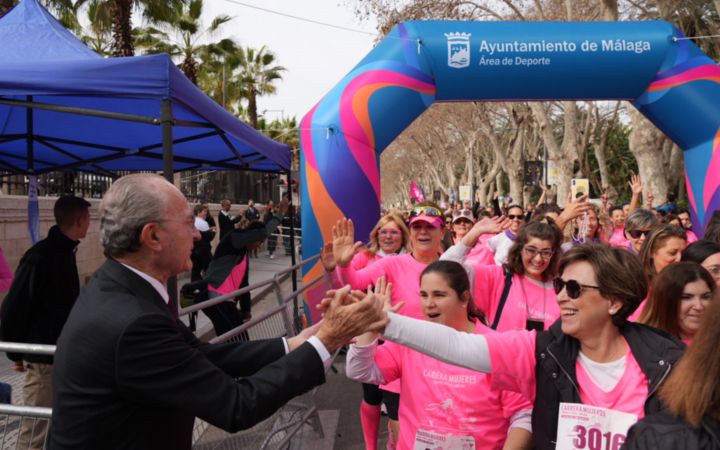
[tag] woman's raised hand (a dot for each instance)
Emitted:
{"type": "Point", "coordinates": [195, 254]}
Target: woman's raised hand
{"type": "Point", "coordinates": [383, 291]}
{"type": "Point", "coordinates": [344, 245]}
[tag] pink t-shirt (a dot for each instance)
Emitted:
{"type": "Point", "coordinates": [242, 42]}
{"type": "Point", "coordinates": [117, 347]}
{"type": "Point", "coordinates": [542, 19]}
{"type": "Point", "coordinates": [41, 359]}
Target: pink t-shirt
{"type": "Point", "coordinates": [6, 273]}
{"type": "Point", "coordinates": [512, 357]}
{"type": "Point", "coordinates": [232, 282]}
{"type": "Point", "coordinates": [447, 399]}
{"type": "Point", "coordinates": [619, 398]}
{"type": "Point", "coordinates": [363, 259]}
{"type": "Point", "coordinates": [618, 238]}
{"type": "Point", "coordinates": [480, 254]}
{"type": "Point", "coordinates": [527, 299]}
{"type": "Point", "coordinates": [691, 237]}
{"type": "Point", "coordinates": [402, 271]}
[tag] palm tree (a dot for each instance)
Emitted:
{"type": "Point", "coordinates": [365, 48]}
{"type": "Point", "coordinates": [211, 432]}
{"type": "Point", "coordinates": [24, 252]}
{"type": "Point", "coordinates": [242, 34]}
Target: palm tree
{"type": "Point", "coordinates": [178, 34]}
{"type": "Point", "coordinates": [257, 76]}
{"type": "Point", "coordinates": [121, 13]}
{"type": "Point", "coordinates": [98, 37]}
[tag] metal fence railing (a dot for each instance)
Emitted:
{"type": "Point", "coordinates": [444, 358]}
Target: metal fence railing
{"type": "Point", "coordinates": [281, 320]}
{"type": "Point", "coordinates": [13, 417]}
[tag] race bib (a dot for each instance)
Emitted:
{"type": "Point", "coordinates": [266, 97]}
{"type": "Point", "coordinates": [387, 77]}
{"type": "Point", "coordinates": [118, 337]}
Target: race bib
{"type": "Point", "coordinates": [584, 427]}
{"type": "Point", "coordinates": [429, 440]}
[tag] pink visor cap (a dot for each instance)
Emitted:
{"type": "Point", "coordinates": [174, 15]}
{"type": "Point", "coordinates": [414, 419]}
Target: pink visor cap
{"type": "Point", "coordinates": [434, 221]}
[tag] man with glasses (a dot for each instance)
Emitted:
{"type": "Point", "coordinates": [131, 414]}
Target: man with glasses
{"type": "Point", "coordinates": [129, 374]}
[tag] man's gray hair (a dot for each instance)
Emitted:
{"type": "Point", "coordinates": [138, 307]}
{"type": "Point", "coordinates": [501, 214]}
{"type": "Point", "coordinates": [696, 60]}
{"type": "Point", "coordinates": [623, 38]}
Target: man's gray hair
{"type": "Point", "coordinates": [131, 202]}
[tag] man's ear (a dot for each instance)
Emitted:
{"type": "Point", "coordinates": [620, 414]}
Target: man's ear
{"type": "Point", "coordinates": [149, 236]}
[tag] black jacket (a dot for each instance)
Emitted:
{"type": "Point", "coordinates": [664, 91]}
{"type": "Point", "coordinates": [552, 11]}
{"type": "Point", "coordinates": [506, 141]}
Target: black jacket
{"type": "Point", "coordinates": [42, 294]}
{"type": "Point", "coordinates": [226, 223]}
{"type": "Point", "coordinates": [664, 431]}
{"type": "Point", "coordinates": [556, 381]}
{"type": "Point", "coordinates": [129, 376]}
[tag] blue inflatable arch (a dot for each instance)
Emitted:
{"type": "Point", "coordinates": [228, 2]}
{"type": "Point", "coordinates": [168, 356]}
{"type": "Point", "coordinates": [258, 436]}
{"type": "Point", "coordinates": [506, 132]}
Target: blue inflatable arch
{"type": "Point", "coordinates": [669, 80]}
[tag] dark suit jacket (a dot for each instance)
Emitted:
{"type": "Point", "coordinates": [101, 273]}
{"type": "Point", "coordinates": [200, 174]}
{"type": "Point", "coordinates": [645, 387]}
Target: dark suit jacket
{"type": "Point", "coordinates": [128, 376]}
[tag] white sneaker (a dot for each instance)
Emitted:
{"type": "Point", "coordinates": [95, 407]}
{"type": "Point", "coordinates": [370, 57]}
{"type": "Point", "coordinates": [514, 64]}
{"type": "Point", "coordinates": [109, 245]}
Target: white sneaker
{"type": "Point", "coordinates": [272, 256]}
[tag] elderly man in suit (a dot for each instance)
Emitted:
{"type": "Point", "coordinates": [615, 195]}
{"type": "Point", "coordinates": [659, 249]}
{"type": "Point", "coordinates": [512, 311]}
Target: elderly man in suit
{"type": "Point", "coordinates": [129, 375]}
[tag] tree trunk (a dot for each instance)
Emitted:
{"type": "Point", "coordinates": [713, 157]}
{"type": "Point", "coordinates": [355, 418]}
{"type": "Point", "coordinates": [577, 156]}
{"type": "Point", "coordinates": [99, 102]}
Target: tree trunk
{"type": "Point", "coordinates": [646, 142]}
{"type": "Point", "coordinates": [563, 161]}
{"type": "Point", "coordinates": [252, 106]}
{"type": "Point", "coordinates": [122, 28]}
{"type": "Point", "coordinates": [189, 68]}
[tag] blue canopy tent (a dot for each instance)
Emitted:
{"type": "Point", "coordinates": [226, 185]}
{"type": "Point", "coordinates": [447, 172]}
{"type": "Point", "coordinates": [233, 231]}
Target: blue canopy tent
{"type": "Point", "coordinates": [63, 107]}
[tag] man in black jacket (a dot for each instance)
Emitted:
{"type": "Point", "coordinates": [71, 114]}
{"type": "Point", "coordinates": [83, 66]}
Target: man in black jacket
{"type": "Point", "coordinates": [226, 220]}
{"type": "Point", "coordinates": [39, 301]}
{"type": "Point", "coordinates": [129, 375]}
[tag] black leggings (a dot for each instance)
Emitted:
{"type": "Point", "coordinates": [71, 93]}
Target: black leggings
{"type": "Point", "coordinates": [373, 395]}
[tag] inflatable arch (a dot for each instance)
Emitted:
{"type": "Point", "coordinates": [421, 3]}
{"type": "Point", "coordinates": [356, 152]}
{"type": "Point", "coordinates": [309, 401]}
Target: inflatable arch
{"type": "Point", "coordinates": [669, 80]}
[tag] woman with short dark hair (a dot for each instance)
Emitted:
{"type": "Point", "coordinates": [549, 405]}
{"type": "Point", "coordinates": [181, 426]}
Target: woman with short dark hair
{"type": "Point", "coordinates": [705, 253]}
{"type": "Point", "coordinates": [590, 365]}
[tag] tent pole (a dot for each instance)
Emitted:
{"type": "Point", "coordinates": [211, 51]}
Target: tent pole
{"type": "Point", "coordinates": [30, 139]}
{"type": "Point", "coordinates": [293, 274]}
{"type": "Point", "coordinates": [166, 120]}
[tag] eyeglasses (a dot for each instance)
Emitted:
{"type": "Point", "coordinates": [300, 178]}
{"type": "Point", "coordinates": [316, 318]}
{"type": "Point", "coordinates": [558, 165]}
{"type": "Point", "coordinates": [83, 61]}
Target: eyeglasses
{"type": "Point", "coordinates": [635, 234]}
{"type": "Point", "coordinates": [516, 217]}
{"type": "Point", "coordinates": [389, 232]}
{"type": "Point", "coordinates": [428, 210]}
{"type": "Point", "coordinates": [532, 252]}
{"type": "Point", "coordinates": [572, 287]}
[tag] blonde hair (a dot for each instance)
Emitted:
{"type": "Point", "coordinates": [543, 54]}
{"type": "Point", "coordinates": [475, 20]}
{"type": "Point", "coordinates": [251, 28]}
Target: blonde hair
{"type": "Point", "coordinates": [384, 220]}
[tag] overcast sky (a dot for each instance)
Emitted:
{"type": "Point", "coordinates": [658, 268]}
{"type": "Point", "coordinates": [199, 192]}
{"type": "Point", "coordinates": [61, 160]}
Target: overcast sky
{"type": "Point", "coordinates": [316, 56]}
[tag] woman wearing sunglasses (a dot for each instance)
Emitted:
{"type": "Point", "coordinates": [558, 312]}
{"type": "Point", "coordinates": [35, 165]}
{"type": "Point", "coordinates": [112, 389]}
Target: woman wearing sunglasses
{"type": "Point", "coordinates": [590, 366]}
{"type": "Point", "coordinates": [637, 226]}
{"type": "Point", "coordinates": [680, 295]}
{"type": "Point", "coordinates": [518, 295]}
{"type": "Point", "coordinates": [389, 237]}
{"type": "Point", "coordinates": [705, 253]}
{"type": "Point", "coordinates": [442, 403]}
{"type": "Point", "coordinates": [500, 245]}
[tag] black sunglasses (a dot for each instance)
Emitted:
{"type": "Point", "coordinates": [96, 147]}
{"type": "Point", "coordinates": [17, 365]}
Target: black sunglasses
{"type": "Point", "coordinates": [635, 234]}
{"type": "Point", "coordinates": [573, 288]}
{"type": "Point", "coordinates": [516, 216]}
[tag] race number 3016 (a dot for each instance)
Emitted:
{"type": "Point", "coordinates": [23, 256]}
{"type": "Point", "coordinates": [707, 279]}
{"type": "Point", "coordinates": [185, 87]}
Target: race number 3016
{"type": "Point", "coordinates": [592, 438]}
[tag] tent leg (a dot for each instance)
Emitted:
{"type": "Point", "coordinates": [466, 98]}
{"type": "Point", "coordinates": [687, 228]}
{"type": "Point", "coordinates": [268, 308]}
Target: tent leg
{"type": "Point", "coordinates": [166, 120]}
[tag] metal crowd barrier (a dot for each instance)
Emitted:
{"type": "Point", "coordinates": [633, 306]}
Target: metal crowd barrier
{"type": "Point", "coordinates": [12, 416]}
{"type": "Point", "coordinates": [282, 320]}
{"type": "Point", "coordinates": [276, 432]}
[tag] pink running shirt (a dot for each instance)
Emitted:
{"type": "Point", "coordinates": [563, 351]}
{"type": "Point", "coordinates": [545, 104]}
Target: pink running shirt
{"type": "Point", "coordinates": [525, 296]}
{"type": "Point", "coordinates": [618, 238]}
{"type": "Point", "coordinates": [619, 398]}
{"type": "Point", "coordinates": [447, 399]}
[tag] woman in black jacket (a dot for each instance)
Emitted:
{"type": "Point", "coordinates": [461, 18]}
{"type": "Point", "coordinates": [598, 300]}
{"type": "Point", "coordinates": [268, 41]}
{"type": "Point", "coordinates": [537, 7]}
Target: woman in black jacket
{"type": "Point", "coordinates": [591, 365]}
{"type": "Point", "coordinates": [692, 397]}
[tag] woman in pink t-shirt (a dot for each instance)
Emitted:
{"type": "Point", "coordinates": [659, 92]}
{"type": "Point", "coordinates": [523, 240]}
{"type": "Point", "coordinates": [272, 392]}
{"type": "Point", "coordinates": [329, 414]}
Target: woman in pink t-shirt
{"type": "Point", "coordinates": [529, 301]}
{"type": "Point", "coordinates": [680, 295]}
{"type": "Point", "coordinates": [389, 237]}
{"type": "Point", "coordinates": [426, 233]}
{"type": "Point", "coordinates": [441, 404]}
{"type": "Point", "coordinates": [591, 375]}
